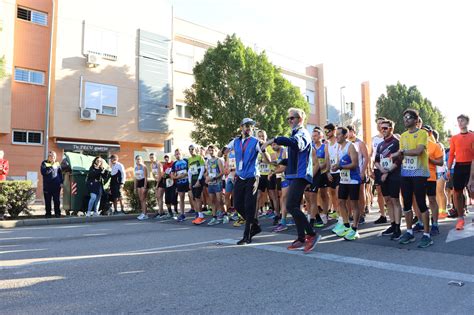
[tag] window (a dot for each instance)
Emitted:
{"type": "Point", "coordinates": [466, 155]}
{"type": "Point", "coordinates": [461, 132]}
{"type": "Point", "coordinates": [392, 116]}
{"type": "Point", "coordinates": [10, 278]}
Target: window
{"type": "Point", "coordinates": [168, 145]}
{"type": "Point", "coordinates": [32, 16]}
{"type": "Point", "coordinates": [182, 111]}
{"type": "Point", "coordinates": [27, 137]}
{"type": "Point", "coordinates": [29, 76]}
{"type": "Point", "coordinates": [309, 94]}
{"type": "Point", "coordinates": [184, 63]}
{"type": "Point", "coordinates": [101, 97]}
{"type": "Point", "coordinates": [100, 41]}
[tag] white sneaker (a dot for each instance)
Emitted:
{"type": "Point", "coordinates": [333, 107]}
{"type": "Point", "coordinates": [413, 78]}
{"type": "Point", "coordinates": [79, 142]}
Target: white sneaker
{"type": "Point", "coordinates": [324, 217]}
{"type": "Point", "coordinates": [96, 214]}
{"type": "Point", "coordinates": [225, 219]}
{"type": "Point", "coordinates": [142, 217]}
{"type": "Point", "coordinates": [88, 214]}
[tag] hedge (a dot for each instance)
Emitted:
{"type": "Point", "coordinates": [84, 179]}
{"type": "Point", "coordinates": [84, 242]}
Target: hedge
{"type": "Point", "coordinates": [132, 197]}
{"type": "Point", "coordinates": [15, 196]}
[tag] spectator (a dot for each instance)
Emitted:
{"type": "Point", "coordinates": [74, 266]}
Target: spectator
{"type": "Point", "coordinates": [52, 184]}
{"type": "Point", "coordinates": [117, 182]}
{"type": "Point", "coordinates": [96, 179]}
{"type": "Point", "coordinates": [3, 166]}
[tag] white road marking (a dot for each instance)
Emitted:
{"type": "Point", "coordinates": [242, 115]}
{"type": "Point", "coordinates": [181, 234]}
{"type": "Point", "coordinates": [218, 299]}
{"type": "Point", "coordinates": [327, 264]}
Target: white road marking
{"type": "Point", "coordinates": [455, 235]}
{"type": "Point", "coordinates": [451, 275]}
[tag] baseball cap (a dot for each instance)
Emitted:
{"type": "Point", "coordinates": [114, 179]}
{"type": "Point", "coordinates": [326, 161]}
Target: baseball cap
{"type": "Point", "coordinates": [247, 121]}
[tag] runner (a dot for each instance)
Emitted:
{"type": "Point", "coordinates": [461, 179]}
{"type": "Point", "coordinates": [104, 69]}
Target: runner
{"type": "Point", "coordinates": [330, 152]}
{"type": "Point", "coordinates": [229, 166]}
{"type": "Point", "coordinates": [280, 170]}
{"type": "Point", "coordinates": [246, 148]}
{"type": "Point", "coordinates": [390, 177]}
{"type": "Point", "coordinates": [441, 178]}
{"type": "Point", "coordinates": [156, 172]}
{"type": "Point", "coordinates": [435, 158]}
{"type": "Point", "coordinates": [376, 140]}
{"type": "Point", "coordinates": [264, 169]}
{"type": "Point", "coordinates": [299, 171]}
{"type": "Point", "coordinates": [117, 182]}
{"type": "Point", "coordinates": [180, 175]}
{"type": "Point", "coordinates": [461, 149]}
{"type": "Point", "coordinates": [196, 182]}
{"type": "Point", "coordinates": [140, 186]}
{"type": "Point", "coordinates": [170, 187]}
{"type": "Point", "coordinates": [363, 155]}
{"type": "Point", "coordinates": [275, 179]}
{"type": "Point", "coordinates": [349, 187]}
{"type": "Point", "coordinates": [414, 174]}
{"type": "Point", "coordinates": [214, 173]}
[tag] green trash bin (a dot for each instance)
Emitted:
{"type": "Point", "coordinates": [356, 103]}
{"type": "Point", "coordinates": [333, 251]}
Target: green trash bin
{"type": "Point", "coordinates": [75, 167]}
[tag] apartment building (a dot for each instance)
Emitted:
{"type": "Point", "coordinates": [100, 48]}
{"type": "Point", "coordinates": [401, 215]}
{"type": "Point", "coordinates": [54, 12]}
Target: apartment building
{"type": "Point", "coordinates": [117, 80]}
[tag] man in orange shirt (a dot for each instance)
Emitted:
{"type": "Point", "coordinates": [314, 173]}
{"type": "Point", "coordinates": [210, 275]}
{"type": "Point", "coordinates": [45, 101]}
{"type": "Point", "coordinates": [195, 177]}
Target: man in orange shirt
{"type": "Point", "coordinates": [461, 149]}
{"type": "Point", "coordinates": [435, 158]}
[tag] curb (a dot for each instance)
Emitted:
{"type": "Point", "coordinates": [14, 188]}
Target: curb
{"type": "Point", "coordinates": [65, 220]}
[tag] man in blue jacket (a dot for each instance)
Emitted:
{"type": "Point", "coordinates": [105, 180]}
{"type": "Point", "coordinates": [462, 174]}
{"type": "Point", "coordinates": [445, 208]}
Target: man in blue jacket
{"type": "Point", "coordinates": [246, 148]}
{"type": "Point", "coordinates": [300, 174]}
{"type": "Point", "coordinates": [52, 183]}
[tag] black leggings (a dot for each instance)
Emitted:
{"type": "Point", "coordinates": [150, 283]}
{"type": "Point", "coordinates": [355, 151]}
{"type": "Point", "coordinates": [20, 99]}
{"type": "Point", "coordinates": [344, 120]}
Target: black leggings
{"type": "Point", "coordinates": [417, 186]}
{"type": "Point", "coordinates": [245, 201]}
{"type": "Point", "coordinates": [293, 204]}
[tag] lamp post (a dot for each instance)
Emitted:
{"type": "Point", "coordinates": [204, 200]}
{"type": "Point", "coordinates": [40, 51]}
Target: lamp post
{"type": "Point", "coordinates": [342, 104]}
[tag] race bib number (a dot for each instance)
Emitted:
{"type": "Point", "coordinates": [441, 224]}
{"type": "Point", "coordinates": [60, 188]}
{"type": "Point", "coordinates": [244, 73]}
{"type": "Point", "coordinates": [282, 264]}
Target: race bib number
{"type": "Point", "coordinates": [410, 163]}
{"type": "Point", "coordinates": [213, 173]}
{"type": "Point", "coordinates": [193, 170]}
{"type": "Point", "coordinates": [264, 168]}
{"type": "Point", "coordinates": [169, 182]}
{"type": "Point", "coordinates": [232, 163]}
{"type": "Point", "coordinates": [345, 176]}
{"type": "Point", "coordinates": [332, 161]}
{"type": "Point", "coordinates": [181, 172]}
{"type": "Point", "coordinates": [386, 163]}
{"type": "Point", "coordinates": [154, 171]}
{"type": "Point", "coordinates": [321, 161]}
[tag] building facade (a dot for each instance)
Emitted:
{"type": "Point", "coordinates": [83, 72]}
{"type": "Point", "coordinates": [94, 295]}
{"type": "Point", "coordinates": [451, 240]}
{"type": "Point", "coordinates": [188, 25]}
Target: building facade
{"type": "Point", "coordinates": [117, 82]}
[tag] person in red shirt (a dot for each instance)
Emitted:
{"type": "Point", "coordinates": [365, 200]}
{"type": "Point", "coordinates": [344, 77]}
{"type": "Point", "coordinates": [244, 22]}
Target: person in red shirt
{"type": "Point", "coordinates": [461, 150]}
{"type": "Point", "coordinates": [3, 166]}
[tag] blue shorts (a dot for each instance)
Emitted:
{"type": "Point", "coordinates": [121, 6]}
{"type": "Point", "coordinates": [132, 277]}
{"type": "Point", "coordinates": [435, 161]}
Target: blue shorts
{"type": "Point", "coordinates": [214, 188]}
{"type": "Point", "coordinates": [285, 183]}
{"type": "Point", "coordinates": [229, 185]}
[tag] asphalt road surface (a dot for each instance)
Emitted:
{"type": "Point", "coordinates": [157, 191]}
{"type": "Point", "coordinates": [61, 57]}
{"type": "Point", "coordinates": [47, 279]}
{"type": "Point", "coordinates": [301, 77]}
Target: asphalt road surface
{"type": "Point", "coordinates": [177, 268]}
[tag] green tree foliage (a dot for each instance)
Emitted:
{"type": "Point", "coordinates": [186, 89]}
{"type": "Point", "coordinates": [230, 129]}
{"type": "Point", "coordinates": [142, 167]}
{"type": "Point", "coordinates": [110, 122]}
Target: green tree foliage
{"type": "Point", "coordinates": [233, 82]}
{"type": "Point", "coordinates": [399, 97]}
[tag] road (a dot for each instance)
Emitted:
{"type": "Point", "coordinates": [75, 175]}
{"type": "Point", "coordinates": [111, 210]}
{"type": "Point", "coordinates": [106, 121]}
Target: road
{"type": "Point", "coordinates": [169, 267]}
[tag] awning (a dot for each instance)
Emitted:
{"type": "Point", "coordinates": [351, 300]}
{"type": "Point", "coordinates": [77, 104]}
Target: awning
{"type": "Point", "coordinates": [86, 146]}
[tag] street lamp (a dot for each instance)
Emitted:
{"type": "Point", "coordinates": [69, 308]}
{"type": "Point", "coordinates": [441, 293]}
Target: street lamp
{"type": "Point", "coordinates": [342, 105]}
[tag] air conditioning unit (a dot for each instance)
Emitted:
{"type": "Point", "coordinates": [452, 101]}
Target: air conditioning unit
{"type": "Point", "coordinates": [93, 60]}
{"type": "Point", "coordinates": [88, 114]}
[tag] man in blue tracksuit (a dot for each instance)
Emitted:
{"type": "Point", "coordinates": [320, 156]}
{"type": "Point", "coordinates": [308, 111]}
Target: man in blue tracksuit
{"type": "Point", "coordinates": [52, 183]}
{"type": "Point", "coordinates": [246, 148]}
{"type": "Point", "coordinates": [300, 174]}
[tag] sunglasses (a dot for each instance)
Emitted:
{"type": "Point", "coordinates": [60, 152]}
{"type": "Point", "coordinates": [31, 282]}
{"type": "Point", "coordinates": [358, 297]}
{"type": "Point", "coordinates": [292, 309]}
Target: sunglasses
{"type": "Point", "coordinates": [408, 117]}
{"type": "Point", "coordinates": [248, 125]}
{"type": "Point", "coordinates": [385, 128]}
{"type": "Point", "coordinates": [291, 118]}
{"type": "Point", "coordinates": [328, 131]}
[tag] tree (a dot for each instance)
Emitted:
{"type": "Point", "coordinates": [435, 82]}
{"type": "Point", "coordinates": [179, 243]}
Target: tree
{"type": "Point", "coordinates": [233, 82]}
{"type": "Point", "coordinates": [400, 97]}
{"type": "Point", "coordinates": [334, 114]}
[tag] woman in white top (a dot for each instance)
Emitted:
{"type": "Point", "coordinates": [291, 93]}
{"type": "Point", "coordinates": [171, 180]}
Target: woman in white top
{"type": "Point", "coordinates": [156, 172]}
{"type": "Point", "coordinates": [140, 185]}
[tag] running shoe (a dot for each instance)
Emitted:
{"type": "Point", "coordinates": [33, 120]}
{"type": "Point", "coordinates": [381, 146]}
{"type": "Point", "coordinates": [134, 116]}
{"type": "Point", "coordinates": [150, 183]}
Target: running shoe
{"type": "Point", "coordinates": [142, 217]}
{"type": "Point", "coordinates": [296, 245]}
{"type": "Point", "coordinates": [434, 230]}
{"type": "Point", "coordinates": [181, 218]}
{"type": "Point", "coordinates": [276, 219]}
{"type": "Point", "coordinates": [396, 235]}
{"type": "Point", "coordinates": [290, 222]}
{"type": "Point", "coordinates": [381, 220]}
{"type": "Point", "coordinates": [219, 214]}
{"type": "Point", "coordinates": [157, 217]}
{"type": "Point", "coordinates": [239, 222]}
{"type": "Point", "coordinates": [418, 227]}
{"type": "Point", "coordinates": [389, 230]}
{"type": "Point", "coordinates": [235, 216]}
{"type": "Point", "coordinates": [415, 220]}
{"type": "Point", "coordinates": [344, 232]}
{"type": "Point", "coordinates": [280, 228]}
{"type": "Point", "coordinates": [460, 224]}
{"type": "Point", "coordinates": [310, 242]}
{"type": "Point", "coordinates": [225, 219]}
{"type": "Point", "coordinates": [198, 221]}
{"type": "Point", "coordinates": [244, 241]}
{"type": "Point", "coordinates": [318, 222]}
{"type": "Point", "coordinates": [214, 221]}
{"type": "Point", "coordinates": [452, 213]}
{"type": "Point", "coordinates": [169, 216]}
{"type": "Point", "coordinates": [425, 241]}
{"type": "Point", "coordinates": [352, 235]}
{"type": "Point", "coordinates": [191, 211]}
{"type": "Point", "coordinates": [361, 220]}
{"type": "Point", "coordinates": [442, 215]}
{"type": "Point", "coordinates": [208, 213]}
{"type": "Point", "coordinates": [338, 228]}
{"type": "Point", "coordinates": [407, 238]}
{"type": "Point", "coordinates": [334, 215]}
{"type": "Point", "coordinates": [324, 217]}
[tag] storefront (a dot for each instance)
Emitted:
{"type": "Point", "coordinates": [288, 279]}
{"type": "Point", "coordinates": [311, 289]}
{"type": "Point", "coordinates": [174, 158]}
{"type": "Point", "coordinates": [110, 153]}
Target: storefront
{"type": "Point", "coordinates": [103, 150]}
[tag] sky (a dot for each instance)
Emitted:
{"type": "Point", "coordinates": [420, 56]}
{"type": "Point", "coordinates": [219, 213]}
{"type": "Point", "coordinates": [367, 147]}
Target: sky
{"type": "Point", "coordinates": [424, 43]}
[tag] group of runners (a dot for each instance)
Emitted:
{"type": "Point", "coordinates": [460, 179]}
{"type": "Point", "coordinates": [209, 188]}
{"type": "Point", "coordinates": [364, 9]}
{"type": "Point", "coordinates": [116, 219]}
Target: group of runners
{"type": "Point", "coordinates": [330, 174]}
